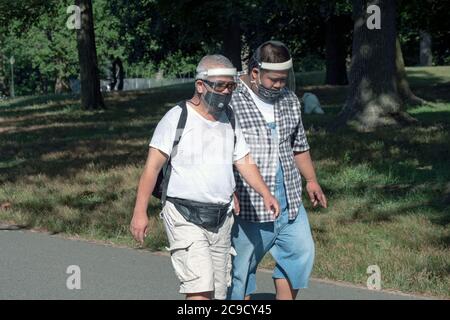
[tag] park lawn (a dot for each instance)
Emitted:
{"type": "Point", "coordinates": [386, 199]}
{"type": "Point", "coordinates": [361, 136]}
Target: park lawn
{"type": "Point", "coordinates": [75, 172]}
{"type": "Point", "coordinates": [417, 76]}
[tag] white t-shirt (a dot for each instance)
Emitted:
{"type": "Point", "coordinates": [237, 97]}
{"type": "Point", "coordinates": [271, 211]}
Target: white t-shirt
{"type": "Point", "coordinates": [202, 169]}
{"type": "Point", "coordinates": [267, 109]}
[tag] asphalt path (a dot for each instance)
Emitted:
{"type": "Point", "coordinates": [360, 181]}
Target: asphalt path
{"type": "Point", "coordinates": [36, 265]}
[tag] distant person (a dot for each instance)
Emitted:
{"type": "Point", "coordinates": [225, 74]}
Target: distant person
{"type": "Point", "coordinates": [197, 200]}
{"type": "Point", "coordinates": [311, 104]}
{"type": "Point", "coordinates": [270, 117]}
{"type": "Point", "coordinates": [3, 89]}
{"type": "Point", "coordinates": [120, 73]}
{"type": "Point", "coordinates": [117, 74]}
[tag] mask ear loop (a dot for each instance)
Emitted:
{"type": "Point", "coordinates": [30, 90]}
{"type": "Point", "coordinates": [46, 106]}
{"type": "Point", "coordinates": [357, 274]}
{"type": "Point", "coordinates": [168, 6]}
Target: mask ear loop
{"type": "Point", "coordinates": [259, 78]}
{"type": "Point", "coordinates": [253, 82]}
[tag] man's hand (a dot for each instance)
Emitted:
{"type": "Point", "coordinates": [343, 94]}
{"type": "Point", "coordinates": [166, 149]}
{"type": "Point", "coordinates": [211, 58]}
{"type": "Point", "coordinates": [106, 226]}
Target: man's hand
{"type": "Point", "coordinates": [305, 165]}
{"type": "Point", "coordinates": [139, 226]}
{"type": "Point", "coordinates": [316, 194]}
{"type": "Point", "coordinates": [271, 204]}
{"type": "Point", "coordinates": [155, 161]}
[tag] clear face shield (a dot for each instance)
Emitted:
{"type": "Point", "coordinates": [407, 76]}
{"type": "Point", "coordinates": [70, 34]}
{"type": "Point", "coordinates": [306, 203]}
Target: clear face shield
{"type": "Point", "coordinates": [219, 83]}
{"type": "Point", "coordinates": [283, 71]}
{"type": "Point", "coordinates": [274, 77]}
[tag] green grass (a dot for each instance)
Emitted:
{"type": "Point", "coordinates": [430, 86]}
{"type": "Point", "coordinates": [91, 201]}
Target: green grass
{"type": "Point", "coordinates": [417, 76]}
{"type": "Point", "coordinates": [75, 172]}
{"type": "Point", "coordinates": [429, 83]}
{"type": "Point", "coordinates": [389, 203]}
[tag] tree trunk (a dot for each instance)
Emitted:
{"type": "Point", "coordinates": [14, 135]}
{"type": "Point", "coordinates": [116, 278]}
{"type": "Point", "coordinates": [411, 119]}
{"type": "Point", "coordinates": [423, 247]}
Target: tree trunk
{"type": "Point", "coordinates": [373, 99]}
{"type": "Point", "coordinates": [336, 52]}
{"type": "Point", "coordinates": [403, 88]}
{"type": "Point", "coordinates": [91, 97]}
{"type": "Point", "coordinates": [232, 39]}
{"type": "Point", "coordinates": [2, 76]}
{"type": "Point", "coordinates": [426, 55]}
{"type": "Point", "coordinates": [121, 74]}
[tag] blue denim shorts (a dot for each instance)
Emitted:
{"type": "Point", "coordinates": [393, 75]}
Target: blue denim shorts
{"type": "Point", "coordinates": [289, 241]}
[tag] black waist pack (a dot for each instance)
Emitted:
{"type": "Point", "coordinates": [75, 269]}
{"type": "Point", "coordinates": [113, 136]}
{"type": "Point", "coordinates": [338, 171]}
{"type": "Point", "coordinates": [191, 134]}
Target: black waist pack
{"type": "Point", "coordinates": [207, 215]}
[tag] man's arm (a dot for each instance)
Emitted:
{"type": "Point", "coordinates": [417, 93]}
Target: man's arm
{"type": "Point", "coordinates": [250, 172]}
{"type": "Point", "coordinates": [306, 167]}
{"type": "Point", "coordinates": [155, 162]}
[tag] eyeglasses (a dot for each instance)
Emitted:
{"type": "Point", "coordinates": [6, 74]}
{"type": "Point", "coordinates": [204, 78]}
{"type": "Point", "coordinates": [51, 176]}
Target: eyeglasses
{"type": "Point", "coordinates": [220, 86]}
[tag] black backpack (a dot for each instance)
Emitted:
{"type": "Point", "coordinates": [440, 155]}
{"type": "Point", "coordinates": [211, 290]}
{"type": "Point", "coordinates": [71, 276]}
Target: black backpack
{"type": "Point", "coordinates": [162, 182]}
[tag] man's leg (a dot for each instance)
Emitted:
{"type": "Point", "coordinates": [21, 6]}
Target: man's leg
{"type": "Point", "coordinates": [252, 275]}
{"type": "Point", "coordinates": [190, 254]}
{"type": "Point", "coordinates": [293, 252]}
{"type": "Point", "coordinates": [284, 289]}
{"type": "Point", "coordinates": [199, 296]}
{"type": "Point", "coordinates": [221, 253]}
{"type": "Point", "coordinates": [250, 241]}
{"type": "Point", "coordinates": [242, 244]}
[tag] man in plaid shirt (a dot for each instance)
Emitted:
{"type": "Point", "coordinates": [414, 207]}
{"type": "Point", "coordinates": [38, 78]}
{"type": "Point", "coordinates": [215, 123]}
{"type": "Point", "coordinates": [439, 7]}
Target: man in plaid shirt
{"type": "Point", "coordinates": [269, 114]}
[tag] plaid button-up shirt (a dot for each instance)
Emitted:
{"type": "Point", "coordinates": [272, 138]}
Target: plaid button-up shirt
{"type": "Point", "coordinates": [265, 151]}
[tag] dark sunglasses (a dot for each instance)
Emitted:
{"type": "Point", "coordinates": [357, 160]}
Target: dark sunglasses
{"type": "Point", "coordinates": [220, 86]}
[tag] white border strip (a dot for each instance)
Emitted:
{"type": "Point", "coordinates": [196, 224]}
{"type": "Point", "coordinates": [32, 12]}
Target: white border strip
{"type": "Point", "coordinates": [276, 66]}
{"type": "Point", "coordinates": [218, 72]}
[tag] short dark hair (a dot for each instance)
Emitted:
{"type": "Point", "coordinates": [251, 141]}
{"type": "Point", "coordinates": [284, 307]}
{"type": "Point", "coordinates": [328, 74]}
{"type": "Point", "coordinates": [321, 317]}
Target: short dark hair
{"type": "Point", "coordinates": [270, 51]}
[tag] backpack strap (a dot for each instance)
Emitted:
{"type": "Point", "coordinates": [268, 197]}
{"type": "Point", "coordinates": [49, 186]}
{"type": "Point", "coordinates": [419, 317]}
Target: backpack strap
{"type": "Point", "coordinates": [230, 114]}
{"type": "Point", "coordinates": [179, 132]}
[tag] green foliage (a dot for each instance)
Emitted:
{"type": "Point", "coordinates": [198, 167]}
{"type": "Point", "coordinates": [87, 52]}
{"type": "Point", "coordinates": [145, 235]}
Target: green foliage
{"type": "Point", "coordinates": [168, 37]}
{"type": "Point", "coordinates": [45, 49]}
{"type": "Point", "coordinates": [177, 65]}
{"type": "Point", "coordinates": [140, 70]}
{"type": "Point", "coordinates": [430, 16]}
{"type": "Point", "coordinates": [310, 63]}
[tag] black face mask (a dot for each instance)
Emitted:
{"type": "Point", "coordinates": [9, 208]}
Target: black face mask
{"type": "Point", "coordinates": [269, 95]}
{"type": "Point", "coordinates": [216, 102]}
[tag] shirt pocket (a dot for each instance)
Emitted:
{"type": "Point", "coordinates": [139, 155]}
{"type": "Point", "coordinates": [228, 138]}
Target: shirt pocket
{"type": "Point", "coordinates": [287, 131]}
{"type": "Point", "coordinates": [258, 142]}
{"type": "Point", "coordinates": [257, 138]}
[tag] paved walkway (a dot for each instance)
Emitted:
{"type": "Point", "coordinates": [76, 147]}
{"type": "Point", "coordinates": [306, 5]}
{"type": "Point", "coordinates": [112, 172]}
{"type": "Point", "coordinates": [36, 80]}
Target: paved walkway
{"type": "Point", "coordinates": [33, 266]}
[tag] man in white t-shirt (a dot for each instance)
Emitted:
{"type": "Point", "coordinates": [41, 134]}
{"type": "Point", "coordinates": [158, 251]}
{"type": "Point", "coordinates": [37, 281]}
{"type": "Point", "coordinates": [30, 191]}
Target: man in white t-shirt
{"type": "Point", "coordinates": [201, 176]}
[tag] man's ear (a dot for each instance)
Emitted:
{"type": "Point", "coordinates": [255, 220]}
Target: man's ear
{"type": "Point", "coordinates": [199, 86]}
{"type": "Point", "coordinates": [254, 75]}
